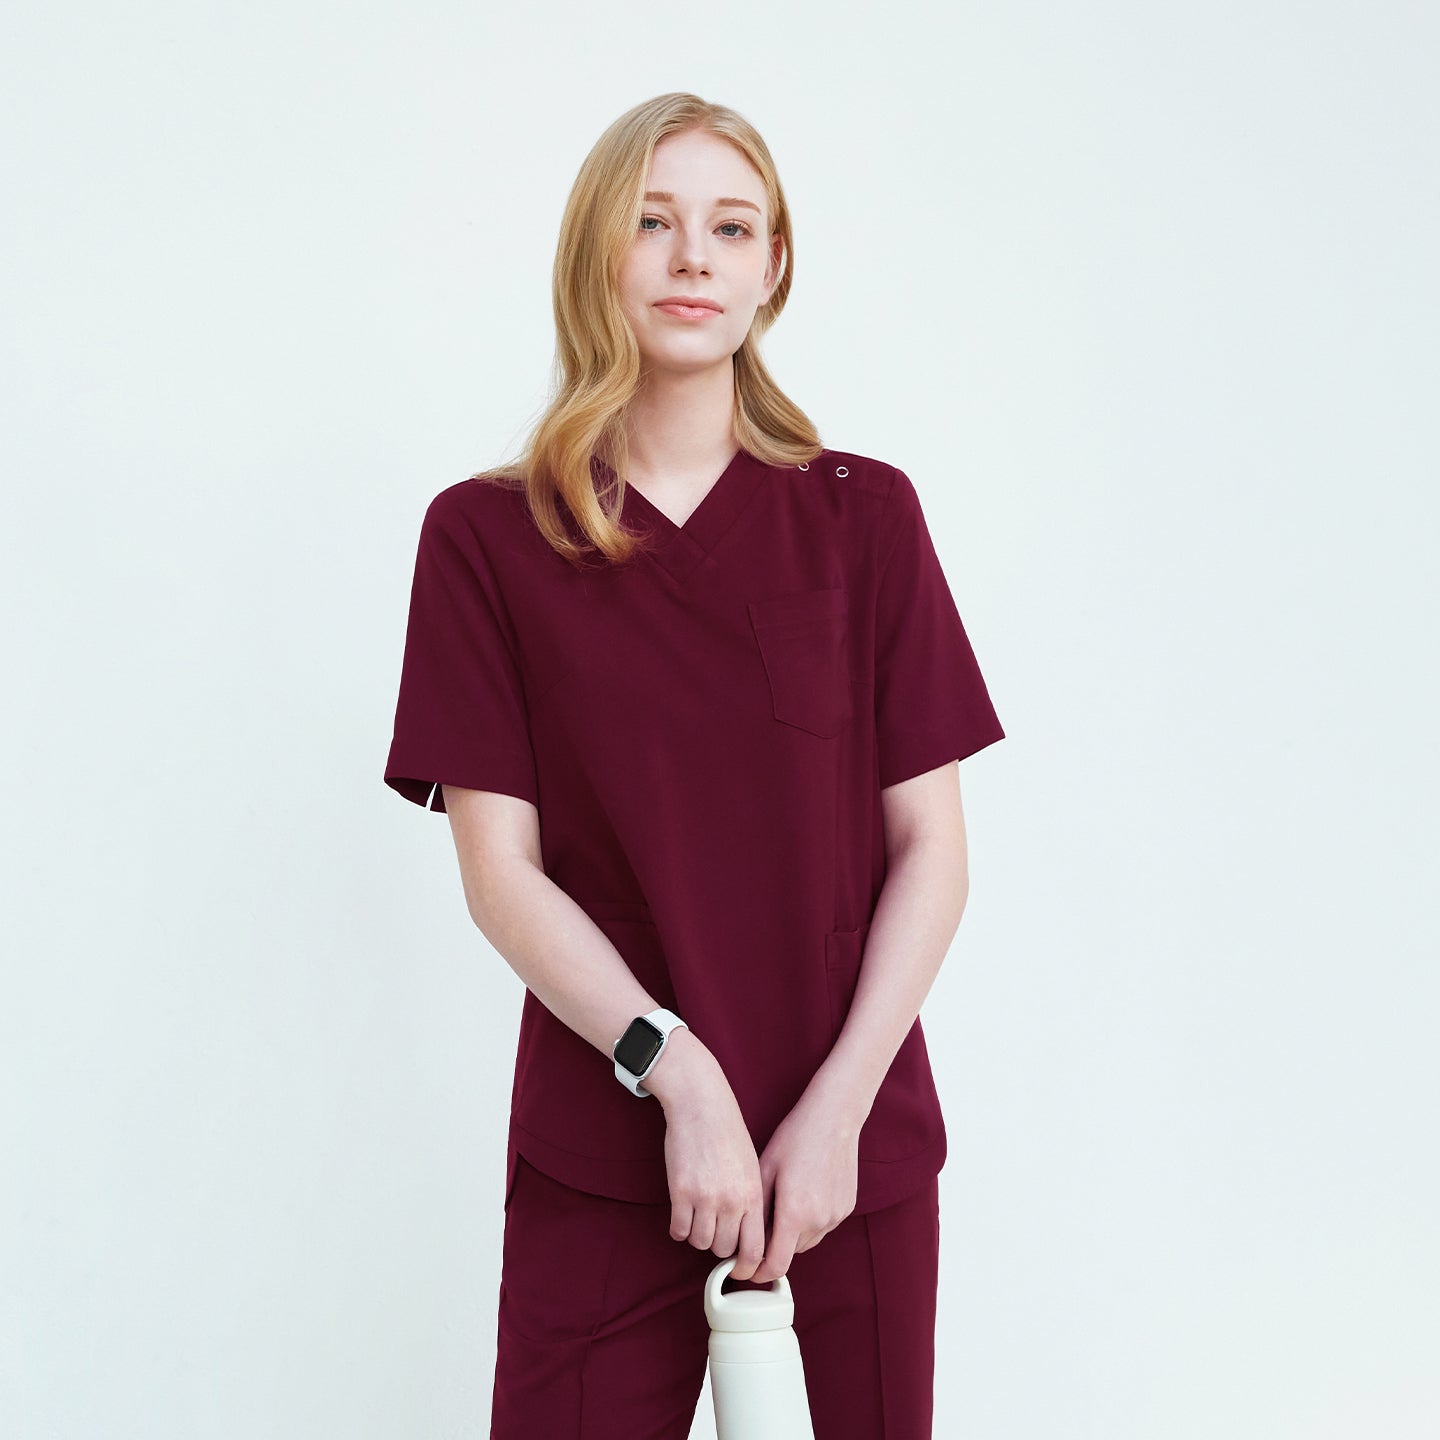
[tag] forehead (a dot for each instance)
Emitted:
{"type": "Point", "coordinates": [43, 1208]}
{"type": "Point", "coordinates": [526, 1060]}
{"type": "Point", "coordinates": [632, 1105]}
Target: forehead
{"type": "Point", "coordinates": [698, 168]}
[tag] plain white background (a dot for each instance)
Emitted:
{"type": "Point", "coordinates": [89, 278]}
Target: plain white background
{"type": "Point", "coordinates": [1143, 299]}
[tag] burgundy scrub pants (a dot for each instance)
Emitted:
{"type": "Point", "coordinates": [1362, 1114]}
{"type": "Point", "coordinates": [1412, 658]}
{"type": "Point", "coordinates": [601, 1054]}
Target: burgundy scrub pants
{"type": "Point", "coordinates": [602, 1331]}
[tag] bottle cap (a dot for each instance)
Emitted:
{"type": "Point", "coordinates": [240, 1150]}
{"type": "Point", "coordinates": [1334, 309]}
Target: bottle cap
{"type": "Point", "coordinates": [769, 1308]}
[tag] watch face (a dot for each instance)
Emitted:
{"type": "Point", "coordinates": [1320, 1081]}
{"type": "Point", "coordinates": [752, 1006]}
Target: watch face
{"type": "Point", "coordinates": [638, 1046]}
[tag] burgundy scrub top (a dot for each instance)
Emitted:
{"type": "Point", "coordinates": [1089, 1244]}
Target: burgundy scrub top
{"type": "Point", "coordinates": [706, 733]}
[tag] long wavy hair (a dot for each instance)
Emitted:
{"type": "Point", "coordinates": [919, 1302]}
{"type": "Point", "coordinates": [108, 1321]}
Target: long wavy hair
{"type": "Point", "coordinates": [597, 370]}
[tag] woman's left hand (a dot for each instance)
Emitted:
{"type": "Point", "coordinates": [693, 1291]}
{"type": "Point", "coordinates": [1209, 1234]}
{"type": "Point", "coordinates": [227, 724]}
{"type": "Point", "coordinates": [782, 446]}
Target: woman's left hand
{"type": "Point", "coordinates": [810, 1170]}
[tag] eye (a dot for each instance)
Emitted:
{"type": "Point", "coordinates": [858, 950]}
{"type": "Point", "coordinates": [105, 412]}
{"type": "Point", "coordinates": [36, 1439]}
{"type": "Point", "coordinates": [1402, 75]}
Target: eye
{"type": "Point", "coordinates": [740, 224]}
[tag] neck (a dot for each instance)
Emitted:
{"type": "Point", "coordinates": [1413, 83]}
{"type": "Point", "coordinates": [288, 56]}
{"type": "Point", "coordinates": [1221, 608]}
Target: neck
{"type": "Point", "coordinates": [681, 425]}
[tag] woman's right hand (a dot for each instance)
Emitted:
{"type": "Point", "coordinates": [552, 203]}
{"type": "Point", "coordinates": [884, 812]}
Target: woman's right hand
{"type": "Point", "coordinates": [717, 1199]}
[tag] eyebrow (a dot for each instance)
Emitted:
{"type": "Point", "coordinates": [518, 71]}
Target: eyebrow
{"type": "Point", "coordinates": [667, 197]}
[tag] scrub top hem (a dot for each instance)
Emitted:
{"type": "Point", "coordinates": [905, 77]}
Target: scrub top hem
{"type": "Point", "coordinates": [880, 1183]}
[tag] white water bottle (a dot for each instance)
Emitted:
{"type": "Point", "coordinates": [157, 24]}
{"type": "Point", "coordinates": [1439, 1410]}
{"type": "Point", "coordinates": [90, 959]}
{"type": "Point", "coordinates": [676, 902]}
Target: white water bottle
{"type": "Point", "coordinates": [757, 1379]}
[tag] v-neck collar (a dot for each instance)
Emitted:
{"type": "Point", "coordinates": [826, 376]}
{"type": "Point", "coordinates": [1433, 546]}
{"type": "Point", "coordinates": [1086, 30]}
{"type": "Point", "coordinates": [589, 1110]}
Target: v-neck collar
{"type": "Point", "coordinates": [681, 548]}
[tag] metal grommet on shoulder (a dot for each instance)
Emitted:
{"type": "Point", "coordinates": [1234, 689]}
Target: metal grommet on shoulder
{"type": "Point", "coordinates": [802, 467]}
{"type": "Point", "coordinates": [841, 470]}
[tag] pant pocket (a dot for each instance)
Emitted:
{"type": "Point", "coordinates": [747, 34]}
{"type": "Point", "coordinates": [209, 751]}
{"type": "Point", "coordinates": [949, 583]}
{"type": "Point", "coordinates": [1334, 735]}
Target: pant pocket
{"type": "Point", "coordinates": [556, 1257]}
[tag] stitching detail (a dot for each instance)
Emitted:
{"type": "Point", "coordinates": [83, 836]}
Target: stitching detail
{"type": "Point", "coordinates": [614, 1223]}
{"type": "Point", "coordinates": [879, 1322]}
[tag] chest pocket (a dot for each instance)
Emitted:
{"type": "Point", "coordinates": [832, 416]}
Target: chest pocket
{"type": "Point", "coordinates": [804, 642]}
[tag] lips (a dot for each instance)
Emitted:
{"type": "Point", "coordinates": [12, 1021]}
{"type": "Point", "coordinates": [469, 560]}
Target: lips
{"type": "Point", "coordinates": [694, 302]}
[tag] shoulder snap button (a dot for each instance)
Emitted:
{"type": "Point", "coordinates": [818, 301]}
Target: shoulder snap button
{"type": "Point", "coordinates": [802, 467]}
{"type": "Point", "coordinates": [841, 470]}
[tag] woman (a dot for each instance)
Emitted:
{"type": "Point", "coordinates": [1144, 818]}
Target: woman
{"type": "Point", "coordinates": [691, 689]}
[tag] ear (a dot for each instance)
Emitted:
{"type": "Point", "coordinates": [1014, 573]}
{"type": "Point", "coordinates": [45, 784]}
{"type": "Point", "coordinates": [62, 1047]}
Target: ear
{"type": "Point", "coordinates": [777, 260]}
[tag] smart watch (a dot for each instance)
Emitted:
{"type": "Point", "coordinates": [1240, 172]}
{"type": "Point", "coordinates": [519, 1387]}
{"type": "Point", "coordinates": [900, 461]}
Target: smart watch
{"type": "Point", "coordinates": [640, 1047]}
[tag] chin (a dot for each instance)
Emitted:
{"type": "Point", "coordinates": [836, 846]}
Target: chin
{"type": "Point", "coordinates": [686, 363]}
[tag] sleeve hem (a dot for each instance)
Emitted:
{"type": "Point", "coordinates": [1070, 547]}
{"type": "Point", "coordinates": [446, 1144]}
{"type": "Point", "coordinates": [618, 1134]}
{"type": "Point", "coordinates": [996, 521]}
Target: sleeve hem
{"type": "Point", "coordinates": [924, 751]}
{"type": "Point", "coordinates": [504, 780]}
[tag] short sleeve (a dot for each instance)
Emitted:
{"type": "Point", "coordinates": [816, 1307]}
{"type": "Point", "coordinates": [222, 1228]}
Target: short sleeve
{"type": "Point", "coordinates": [460, 718]}
{"type": "Point", "coordinates": [931, 703]}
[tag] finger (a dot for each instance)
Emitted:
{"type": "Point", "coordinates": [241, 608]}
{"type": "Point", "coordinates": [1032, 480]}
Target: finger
{"type": "Point", "coordinates": [682, 1217]}
{"type": "Point", "coordinates": [727, 1229]}
{"type": "Point", "coordinates": [752, 1246]}
{"type": "Point", "coordinates": [764, 1273]}
{"type": "Point", "coordinates": [702, 1229]}
{"type": "Point", "coordinates": [782, 1249]}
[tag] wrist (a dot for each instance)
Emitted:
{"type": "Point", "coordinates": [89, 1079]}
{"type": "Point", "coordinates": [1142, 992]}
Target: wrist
{"type": "Point", "coordinates": [842, 1094]}
{"type": "Point", "coordinates": [679, 1067]}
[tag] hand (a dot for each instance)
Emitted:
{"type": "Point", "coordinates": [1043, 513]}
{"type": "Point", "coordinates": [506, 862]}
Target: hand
{"type": "Point", "coordinates": [810, 1171]}
{"type": "Point", "coordinates": [716, 1200]}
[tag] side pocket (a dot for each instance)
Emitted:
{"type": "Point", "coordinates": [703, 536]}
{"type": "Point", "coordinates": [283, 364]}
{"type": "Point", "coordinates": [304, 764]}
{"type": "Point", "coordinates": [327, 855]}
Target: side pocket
{"type": "Point", "coordinates": [905, 1117]}
{"type": "Point", "coordinates": [804, 641]}
{"type": "Point", "coordinates": [512, 1172]}
{"type": "Point", "coordinates": [844, 952]}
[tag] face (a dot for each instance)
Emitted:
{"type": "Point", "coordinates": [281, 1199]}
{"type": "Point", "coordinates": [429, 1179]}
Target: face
{"type": "Point", "coordinates": [702, 234]}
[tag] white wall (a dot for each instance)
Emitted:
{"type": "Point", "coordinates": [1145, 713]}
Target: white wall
{"type": "Point", "coordinates": [1142, 297]}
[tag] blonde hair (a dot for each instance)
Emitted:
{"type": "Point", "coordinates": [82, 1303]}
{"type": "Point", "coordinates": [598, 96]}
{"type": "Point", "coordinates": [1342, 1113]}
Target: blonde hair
{"type": "Point", "coordinates": [597, 360]}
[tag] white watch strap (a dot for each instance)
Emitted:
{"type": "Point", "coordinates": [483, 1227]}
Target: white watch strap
{"type": "Point", "coordinates": [666, 1022]}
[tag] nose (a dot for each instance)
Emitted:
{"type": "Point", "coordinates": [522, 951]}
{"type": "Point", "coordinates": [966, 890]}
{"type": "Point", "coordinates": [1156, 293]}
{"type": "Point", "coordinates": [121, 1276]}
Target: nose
{"type": "Point", "coordinates": [690, 254]}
